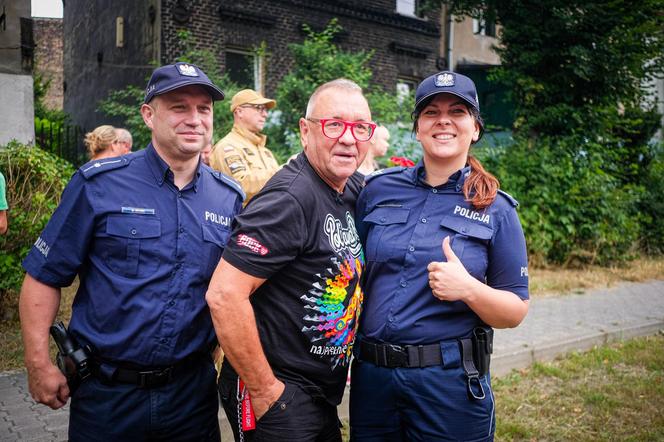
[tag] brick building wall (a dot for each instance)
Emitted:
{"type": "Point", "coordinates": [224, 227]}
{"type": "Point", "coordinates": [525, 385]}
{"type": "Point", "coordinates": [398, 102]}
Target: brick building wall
{"type": "Point", "coordinates": [48, 58]}
{"type": "Point", "coordinates": [94, 64]}
{"type": "Point", "coordinates": [404, 46]}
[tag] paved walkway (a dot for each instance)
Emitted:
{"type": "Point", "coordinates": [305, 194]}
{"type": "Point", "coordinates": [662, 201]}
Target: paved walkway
{"type": "Point", "coordinates": [553, 327]}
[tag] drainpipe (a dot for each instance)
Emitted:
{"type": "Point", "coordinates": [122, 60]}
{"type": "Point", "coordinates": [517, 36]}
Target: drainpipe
{"type": "Point", "coordinates": [450, 42]}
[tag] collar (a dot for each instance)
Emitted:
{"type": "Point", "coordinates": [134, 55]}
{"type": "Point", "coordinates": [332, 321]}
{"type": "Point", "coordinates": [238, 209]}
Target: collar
{"type": "Point", "coordinates": [457, 178]}
{"type": "Point", "coordinates": [197, 177]}
{"type": "Point", "coordinates": [157, 165]}
{"type": "Point", "coordinates": [161, 170]}
{"type": "Point", "coordinates": [255, 139]}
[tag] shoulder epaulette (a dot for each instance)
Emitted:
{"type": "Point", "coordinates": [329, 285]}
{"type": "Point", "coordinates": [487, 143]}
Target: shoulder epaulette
{"type": "Point", "coordinates": [509, 198]}
{"type": "Point", "coordinates": [230, 182]}
{"type": "Point", "coordinates": [381, 172]}
{"type": "Point", "coordinates": [92, 168]}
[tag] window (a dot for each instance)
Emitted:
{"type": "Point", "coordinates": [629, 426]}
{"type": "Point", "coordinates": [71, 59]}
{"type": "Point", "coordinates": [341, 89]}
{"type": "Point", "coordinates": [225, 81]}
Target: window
{"type": "Point", "coordinates": [407, 7]}
{"type": "Point", "coordinates": [244, 68]}
{"type": "Point", "coordinates": [484, 25]}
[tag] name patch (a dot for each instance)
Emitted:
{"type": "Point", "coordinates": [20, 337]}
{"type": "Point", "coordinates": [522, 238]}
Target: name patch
{"type": "Point", "coordinates": [218, 218]}
{"type": "Point", "coordinates": [138, 210]}
{"type": "Point", "coordinates": [471, 214]}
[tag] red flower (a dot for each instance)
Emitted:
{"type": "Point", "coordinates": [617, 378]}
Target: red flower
{"type": "Point", "coordinates": [401, 161]}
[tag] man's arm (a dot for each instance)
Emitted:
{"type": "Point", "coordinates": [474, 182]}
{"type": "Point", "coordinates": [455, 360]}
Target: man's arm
{"type": "Point", "coordinates": [38, 306]}
{"type": "Point", "coordinates": [235, 325]}
{"type": "Point", "coordinates": [3, 222]}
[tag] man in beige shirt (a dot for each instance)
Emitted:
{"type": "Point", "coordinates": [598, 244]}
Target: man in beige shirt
{"type": "Point", "coordinates": [242, 153]}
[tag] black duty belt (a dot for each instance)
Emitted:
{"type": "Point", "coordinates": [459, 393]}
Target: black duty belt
{"type": "Point", "coordinates": [147, 377]}
{"type": "Point", "coordinates": [394, 356]}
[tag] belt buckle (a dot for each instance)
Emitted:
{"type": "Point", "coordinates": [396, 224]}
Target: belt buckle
{"type": "Point", "coordinates": [154, 378]}
{"type": "Point", "coordinates": [396, 356]}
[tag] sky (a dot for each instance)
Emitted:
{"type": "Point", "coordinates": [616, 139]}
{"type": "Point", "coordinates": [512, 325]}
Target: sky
{"type": "Point", "coordinates": [46, 8]}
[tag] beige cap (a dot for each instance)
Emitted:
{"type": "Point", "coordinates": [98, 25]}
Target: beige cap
{"type": "Point", "coordinates": [250, 96]}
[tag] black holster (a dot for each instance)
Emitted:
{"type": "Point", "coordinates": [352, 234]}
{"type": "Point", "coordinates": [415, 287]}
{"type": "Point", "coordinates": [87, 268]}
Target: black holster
{"type": "Point", "coordinates": [482, 348]}
{"type": "Point", "coordinates": [72, 359]}
{"type": "Point", "coordinates": [476, 358]}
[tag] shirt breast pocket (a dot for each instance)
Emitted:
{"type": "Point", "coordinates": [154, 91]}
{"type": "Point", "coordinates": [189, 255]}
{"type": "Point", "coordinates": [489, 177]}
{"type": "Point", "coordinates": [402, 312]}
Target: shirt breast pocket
{"type": "Point", "coordinates": [387, 227]}
{"type": "Point", "coordinates": [214, 240]}
{"type": "Point", "coordinates": [133, 241]}
{"type": "Point", "coordinates": [470, 242]}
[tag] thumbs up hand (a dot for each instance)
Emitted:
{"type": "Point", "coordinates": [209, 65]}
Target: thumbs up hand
{"type": "Point", "coordinates": [448, 252]}
{"type": "Point", "coordinates": [449, 281]}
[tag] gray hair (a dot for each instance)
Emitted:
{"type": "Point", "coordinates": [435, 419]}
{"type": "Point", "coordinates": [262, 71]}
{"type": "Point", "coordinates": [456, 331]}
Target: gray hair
{"type": "Point", "coordinates": [123, 135]}
{"type": "Point", "coordinates": [339, 83]}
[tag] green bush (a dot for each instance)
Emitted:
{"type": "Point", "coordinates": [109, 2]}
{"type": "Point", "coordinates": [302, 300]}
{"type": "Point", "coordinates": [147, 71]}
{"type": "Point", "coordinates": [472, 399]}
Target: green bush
{"type": "Point", "coordinates": [652, 233]}
{"type": "Point", "coordinates": [40, 87]}
{"type": "Point", "coordinates": [318, 60]}
{"type": "Point", "coordinates": [35, 181]}
{"type": "Point", "coordinates": [572, 211]}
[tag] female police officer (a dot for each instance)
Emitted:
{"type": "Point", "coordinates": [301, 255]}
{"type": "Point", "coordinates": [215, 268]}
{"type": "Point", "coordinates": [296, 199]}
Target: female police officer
{"type": "Point", "coordinates": [446, 261]}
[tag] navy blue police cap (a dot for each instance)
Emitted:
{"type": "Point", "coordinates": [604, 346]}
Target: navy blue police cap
{"type": "Point", "coordinates": [447, 83]}
{"type": "Point", "coordinates": [174, 76]}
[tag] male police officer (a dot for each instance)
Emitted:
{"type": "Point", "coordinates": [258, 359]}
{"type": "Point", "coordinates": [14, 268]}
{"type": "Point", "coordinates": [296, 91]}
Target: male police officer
{"type": "Point", "coordinates": [295, 251]}
{"type": "Point", "coordinates": [242, 153]}
{"type": "Point", "coordinates": [143, 232]}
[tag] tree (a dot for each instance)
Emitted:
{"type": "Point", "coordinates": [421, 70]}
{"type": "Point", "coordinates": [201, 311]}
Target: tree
{"type": "Point", "coordinates": [574, 66]}
{"type": "Point", "coordinates": [318, 60]}
{"type": "Point", "coordinates": [581, 161]}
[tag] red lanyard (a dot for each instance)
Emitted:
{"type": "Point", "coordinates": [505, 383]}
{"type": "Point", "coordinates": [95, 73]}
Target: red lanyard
{"type": "Point", "coordinates": [246, 410]}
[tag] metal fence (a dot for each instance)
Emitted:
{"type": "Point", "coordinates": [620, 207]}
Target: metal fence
{"type": "Point", "coordinates": [61, 139]}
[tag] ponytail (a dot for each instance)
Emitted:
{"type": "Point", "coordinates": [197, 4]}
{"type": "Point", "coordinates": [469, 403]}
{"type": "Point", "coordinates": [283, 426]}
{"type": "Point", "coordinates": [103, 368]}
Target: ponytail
{"type": "Point", "coordinates": [480, 188]}
{"type": "Point", "coordinates": [99, 140]}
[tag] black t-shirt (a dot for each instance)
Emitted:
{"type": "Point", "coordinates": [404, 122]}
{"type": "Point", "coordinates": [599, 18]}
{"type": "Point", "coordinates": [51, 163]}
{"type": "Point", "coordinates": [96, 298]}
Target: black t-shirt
{"type": "Point", "coordinates": [300, 235]}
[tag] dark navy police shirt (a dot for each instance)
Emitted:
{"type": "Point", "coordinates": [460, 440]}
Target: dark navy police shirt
{"type": "Point", "coordinates": [402, 222]}
{"type": "Point", "coordinates": [144, 252]}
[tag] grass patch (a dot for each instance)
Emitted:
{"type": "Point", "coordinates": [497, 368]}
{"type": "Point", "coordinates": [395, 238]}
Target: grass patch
{"type": "Point", "coordinates": [11, 345]}
{"type": "Point", "coordinates": [557, 281]}
{"type": "Point", "coordinates": [613, 392]}
{"type": "Point", "coordinates": [585, 396]}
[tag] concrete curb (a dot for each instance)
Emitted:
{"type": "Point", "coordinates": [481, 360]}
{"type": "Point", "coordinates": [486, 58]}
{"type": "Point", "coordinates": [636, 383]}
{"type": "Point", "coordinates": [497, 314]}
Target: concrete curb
{"type": "Point", "coordinates": [503, 364]}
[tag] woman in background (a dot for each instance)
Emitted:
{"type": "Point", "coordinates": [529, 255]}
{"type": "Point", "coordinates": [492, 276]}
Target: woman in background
{"type": "Point", "coordinates": [103, 143]}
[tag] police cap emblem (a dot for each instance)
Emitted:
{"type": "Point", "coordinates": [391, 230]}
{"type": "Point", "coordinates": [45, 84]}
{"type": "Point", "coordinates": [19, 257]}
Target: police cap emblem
{"type": "Point", "coordinates": [187, 69]}
{"type": "Point", "coordinates": [444, 80]}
